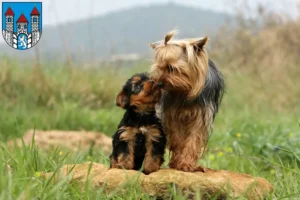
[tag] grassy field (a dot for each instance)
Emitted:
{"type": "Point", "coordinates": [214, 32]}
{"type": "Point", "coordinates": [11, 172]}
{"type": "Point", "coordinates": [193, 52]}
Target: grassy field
{"type": "Point", "coordinates": [250, 134]}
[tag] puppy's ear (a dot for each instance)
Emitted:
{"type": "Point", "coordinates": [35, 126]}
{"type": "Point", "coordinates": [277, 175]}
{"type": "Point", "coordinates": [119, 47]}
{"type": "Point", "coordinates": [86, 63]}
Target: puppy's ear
{"type": "Point", "coordinates": [122, 99]}
{"type": "Point", "coordinates": [199, 43]}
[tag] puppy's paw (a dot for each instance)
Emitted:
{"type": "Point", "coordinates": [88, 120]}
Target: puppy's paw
{"type": "Point", "coordinates": [149, 171]}
{"type": "Point", "coordinates": [146, 172]}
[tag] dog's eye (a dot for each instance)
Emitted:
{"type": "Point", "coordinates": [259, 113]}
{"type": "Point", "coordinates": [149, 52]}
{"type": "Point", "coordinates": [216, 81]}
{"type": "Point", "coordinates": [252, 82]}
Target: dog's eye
{"type": "Point", "coordinates": [170, 68]}
{"type": "Point", "coordinates": [137, 88]}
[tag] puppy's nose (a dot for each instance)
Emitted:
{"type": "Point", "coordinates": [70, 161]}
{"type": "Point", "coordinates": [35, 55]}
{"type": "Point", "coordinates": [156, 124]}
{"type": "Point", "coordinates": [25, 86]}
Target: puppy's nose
{"type": "Point", "coordinates": [160, 84]}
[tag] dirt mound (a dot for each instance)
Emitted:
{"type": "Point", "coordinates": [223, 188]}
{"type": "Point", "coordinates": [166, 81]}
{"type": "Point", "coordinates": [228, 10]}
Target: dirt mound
{"type": "Point", "coordinates": [74, 140]}
{"type": "Point", "coordinates": [158, 184]}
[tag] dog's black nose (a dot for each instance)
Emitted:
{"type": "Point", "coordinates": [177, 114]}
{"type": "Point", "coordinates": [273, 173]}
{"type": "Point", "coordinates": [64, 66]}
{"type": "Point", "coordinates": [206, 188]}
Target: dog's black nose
{"type": "Point", "coordinates": [160, 84]}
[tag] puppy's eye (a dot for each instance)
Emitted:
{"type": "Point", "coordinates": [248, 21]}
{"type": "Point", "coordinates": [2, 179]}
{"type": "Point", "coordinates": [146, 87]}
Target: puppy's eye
{"type": "Point", "coordinates": [170, 68]}
{"type": "Point", "coordinates": [137, 88]}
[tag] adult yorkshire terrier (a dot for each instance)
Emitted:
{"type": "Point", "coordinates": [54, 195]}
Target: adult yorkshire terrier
{"type": "Point", "coordinates": [192, 91]}
{"type": "Point", "coordinates": [140, 136]}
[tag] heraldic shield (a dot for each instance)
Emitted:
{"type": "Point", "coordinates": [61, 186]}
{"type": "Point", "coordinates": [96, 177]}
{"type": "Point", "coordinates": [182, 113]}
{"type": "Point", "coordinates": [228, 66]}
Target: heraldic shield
{"type": "Point", "coordinates": [22, 24]}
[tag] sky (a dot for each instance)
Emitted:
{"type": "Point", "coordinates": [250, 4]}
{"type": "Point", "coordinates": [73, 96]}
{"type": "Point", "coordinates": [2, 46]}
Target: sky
{"type": "Point", "coordinates": [60, 11]}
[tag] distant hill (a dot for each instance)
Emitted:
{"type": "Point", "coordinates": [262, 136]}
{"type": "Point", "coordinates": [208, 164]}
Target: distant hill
{"type": "Point", "coordinates": [123, 32]}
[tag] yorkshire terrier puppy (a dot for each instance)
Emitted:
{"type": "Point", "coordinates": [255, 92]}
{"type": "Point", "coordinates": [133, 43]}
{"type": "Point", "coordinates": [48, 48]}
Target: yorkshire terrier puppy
{"type": "Point", "coordinates": [140, 136]}
{"type": "Point", "coordinates": [192, 91]}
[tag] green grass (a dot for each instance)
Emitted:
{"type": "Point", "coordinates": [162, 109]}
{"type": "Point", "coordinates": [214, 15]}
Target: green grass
{"type": "Point", "coordinates": [248, 137]}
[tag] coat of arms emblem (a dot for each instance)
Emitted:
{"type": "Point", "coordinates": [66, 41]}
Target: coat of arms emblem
{"type": "Point", "coordinates": [22, 24]}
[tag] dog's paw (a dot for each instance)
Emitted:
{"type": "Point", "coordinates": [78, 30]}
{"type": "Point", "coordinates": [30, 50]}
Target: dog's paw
{"type": "Point", "coordinates": [199, 169]}
{"type": "Point", "coordinates": [188, 168]}
{"type": "Point", "coordinates": [146, 172]}
{"type": "Point", "coordinates": [185, 168]}
{"type": "Point", "coordinates": [149, 171]}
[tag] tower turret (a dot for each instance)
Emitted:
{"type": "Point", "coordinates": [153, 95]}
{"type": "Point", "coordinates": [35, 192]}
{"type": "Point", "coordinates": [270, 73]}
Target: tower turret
{"type": "Point", "coordinates": [22, 24]}
{"type": "Point", "coordinates": [35, 22]}
{"type": "Point", "coordinates": [9, 20]}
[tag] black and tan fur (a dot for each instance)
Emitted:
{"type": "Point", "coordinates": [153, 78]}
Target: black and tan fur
{"type": "Point", "coordinates": [192, 91]}
{"type": "Point", "coordinates": [140, 136]}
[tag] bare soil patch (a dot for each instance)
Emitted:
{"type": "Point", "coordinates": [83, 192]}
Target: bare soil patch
{"type": "Point", "coordinates": [73, 140]}
{"type": "Point", "coordinates": [157, 184]}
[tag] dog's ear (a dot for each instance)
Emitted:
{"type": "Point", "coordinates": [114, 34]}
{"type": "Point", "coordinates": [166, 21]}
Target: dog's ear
{"type": "Point", "coordinates": [122, 99]}
{"type": "Point", "coordinates": [199, 43]}
{"type": "Point", "coordinates": [153, 45]}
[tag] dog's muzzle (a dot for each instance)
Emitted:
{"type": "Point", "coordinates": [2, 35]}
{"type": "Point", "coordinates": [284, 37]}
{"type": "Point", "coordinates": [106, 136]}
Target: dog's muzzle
{"type": "Point", "coordinates": [160, 84]}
